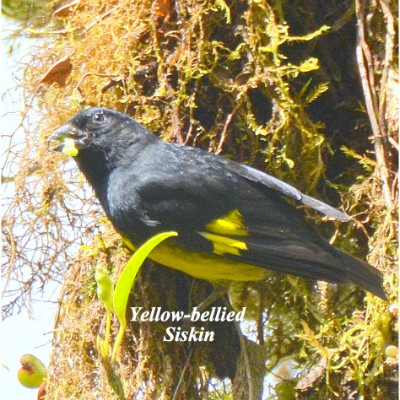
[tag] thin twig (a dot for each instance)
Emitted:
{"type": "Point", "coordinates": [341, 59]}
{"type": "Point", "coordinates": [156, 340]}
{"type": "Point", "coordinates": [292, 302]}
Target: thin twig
{"type": "Point", "coordinates": [183, 373]}
{"type": "Point", "coordinates": [246, 360]}
{"type": "Point", "coordinates": [224, 132]}
{"type": "Point", "coordinates": [363, 56]}
{"type": "Point", "coordinates": [389, 46]}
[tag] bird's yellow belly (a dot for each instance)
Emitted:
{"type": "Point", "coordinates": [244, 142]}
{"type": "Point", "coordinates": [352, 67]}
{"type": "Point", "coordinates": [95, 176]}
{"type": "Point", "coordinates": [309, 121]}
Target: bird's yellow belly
{"type": "Point", "coordinates": [205, 266]}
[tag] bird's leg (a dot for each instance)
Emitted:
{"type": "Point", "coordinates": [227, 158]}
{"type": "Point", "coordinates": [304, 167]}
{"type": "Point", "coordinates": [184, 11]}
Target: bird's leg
{"type": "Point", "coordinates": [217, 292]}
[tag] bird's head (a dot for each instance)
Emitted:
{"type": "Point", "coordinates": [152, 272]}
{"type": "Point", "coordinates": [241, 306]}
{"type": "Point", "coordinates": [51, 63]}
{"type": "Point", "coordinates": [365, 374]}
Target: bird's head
{"type": "Point", "coordinates": [97, 131]}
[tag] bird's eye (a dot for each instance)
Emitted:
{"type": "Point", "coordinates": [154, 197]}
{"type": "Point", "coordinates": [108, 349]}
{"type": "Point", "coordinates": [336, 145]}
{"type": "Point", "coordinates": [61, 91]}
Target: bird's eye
{"type": "Point", "coordinates": [98, 118]}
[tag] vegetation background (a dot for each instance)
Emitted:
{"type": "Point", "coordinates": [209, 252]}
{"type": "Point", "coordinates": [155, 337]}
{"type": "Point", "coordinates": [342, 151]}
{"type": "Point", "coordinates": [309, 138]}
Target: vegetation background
{"type": "Point", "coordinates": [307, 90]}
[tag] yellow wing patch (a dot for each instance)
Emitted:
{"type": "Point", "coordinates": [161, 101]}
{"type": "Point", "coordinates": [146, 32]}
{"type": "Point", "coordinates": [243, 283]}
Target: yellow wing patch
{"type": "Point", "coordinates": [230, 224]}
{"type": "Point", "coordinates": [223, 245]}
{"type": "Point", "coordinates": [222, 229]}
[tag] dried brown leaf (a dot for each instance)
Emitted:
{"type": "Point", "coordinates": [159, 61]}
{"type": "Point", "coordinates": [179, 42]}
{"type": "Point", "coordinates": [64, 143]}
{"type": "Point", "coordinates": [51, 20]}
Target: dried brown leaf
{"type": "Point", "coordinates": [58, 72]}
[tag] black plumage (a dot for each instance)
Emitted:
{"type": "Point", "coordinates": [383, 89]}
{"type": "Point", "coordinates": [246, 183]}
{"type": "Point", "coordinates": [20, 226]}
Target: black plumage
{"type": "Point", "coordinates": [233, 222]}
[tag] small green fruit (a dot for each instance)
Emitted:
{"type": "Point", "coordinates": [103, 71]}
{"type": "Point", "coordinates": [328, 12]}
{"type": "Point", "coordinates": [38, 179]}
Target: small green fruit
{"type": "Point", "coordinates": [391, 351]}
{"type": "Point", "coordinates": [32, 373]}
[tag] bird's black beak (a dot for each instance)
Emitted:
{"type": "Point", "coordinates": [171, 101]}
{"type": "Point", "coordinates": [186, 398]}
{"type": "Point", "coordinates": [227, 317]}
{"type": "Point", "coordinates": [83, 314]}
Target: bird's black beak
{"type": "Point", "coordinates": [69, 139]}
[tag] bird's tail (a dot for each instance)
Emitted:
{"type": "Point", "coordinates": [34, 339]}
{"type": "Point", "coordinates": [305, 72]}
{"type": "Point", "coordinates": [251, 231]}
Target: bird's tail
{"type": "Point", "coordinates": [319, 260]}
{"type": "Point", "coordinates": [363, 274]}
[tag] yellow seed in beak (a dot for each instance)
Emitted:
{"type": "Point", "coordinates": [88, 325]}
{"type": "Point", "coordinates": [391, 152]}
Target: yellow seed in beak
{"type": "Point", "coordinates": [69, 147]}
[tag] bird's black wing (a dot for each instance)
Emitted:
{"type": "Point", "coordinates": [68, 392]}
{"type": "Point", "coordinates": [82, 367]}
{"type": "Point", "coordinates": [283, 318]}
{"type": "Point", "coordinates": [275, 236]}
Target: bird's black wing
{"type": "Point", "coordinates": [287, 190]}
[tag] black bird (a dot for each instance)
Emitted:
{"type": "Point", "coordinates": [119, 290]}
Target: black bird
{"type": "Point", "coordinates": [233, 222]}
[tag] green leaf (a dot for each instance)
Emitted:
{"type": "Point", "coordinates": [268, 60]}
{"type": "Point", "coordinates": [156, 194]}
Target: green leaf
{"type": "Point", "coordinates": [126, 280]}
